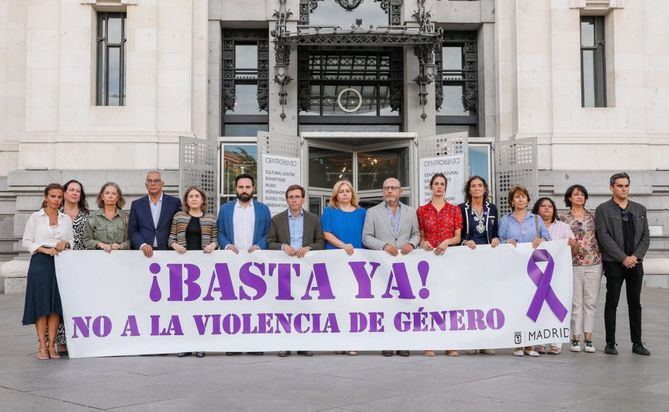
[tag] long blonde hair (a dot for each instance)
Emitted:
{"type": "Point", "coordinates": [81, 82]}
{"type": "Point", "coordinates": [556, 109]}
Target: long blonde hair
{"type": "Point", "coordinates": [335, 191]}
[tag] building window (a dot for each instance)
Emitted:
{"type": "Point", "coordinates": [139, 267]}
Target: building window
{"type": "Point", "coordinates": [360, 88]}
{"type": "Point", "coordinates": [456, 86]}
{"type": "Point", "coordinates": [111, 59]}
{"type": "Point", "coordinates": [245, 82]}
{"type": "Point", "coordinates": [237, 158]}
{"type": "Point", "coordinates": [593, 67]}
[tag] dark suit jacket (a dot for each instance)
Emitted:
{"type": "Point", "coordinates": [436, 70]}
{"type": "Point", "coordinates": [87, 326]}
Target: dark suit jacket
{"type": "Point", "coordinates": [140, 224]}
{"type": "Point", "coordinates": [609, 230]}
{"type": "Point", "coordinates": [491, 220]}
{"type": "Point", "coordinates": [279, 232]}
{"type": "Point", "coordinates": [226, 233]}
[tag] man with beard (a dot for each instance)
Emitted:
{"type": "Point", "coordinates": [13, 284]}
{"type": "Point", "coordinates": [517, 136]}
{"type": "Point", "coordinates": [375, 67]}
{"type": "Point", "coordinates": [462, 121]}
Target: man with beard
{"type": "Point", "coordinates": [243, 224]}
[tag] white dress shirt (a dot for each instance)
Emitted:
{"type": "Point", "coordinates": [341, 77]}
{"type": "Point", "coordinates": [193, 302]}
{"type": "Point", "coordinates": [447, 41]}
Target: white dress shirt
{"type": "Point", "coordinates": [243, 223]}
{"type": "Point", "coordinates": [38, 232]}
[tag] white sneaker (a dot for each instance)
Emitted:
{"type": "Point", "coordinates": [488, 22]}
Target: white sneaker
{"type": "Point", "coordinates": [576, 346]}
{"type": "Point", "coordinates": [518, 352]}
{"type": "Point", "coordinates": [589, 347]}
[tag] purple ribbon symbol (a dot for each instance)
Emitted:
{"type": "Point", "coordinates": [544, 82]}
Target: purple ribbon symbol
{"type": "Point", "coordinates": [544, 290]}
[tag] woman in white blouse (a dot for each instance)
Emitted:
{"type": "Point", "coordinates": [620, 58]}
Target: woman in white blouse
{"type": "Point", "coordinates": [48, 232]}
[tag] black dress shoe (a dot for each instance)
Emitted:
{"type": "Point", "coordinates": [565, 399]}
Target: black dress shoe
{"type": "Point", "coordinates": [199, 354]}
{"type": "Point", "coordinates": [387, 353]}
{"type": "Point", "coordinates": [610, 349]}
{"type": "Point", "coordinates": [232, 353]}
{"type": "Point", "coordinates": [184, 354]}
{"type": "Point", "coordinates": [403, 352]}
{"type": "Point", "coordinates": [305, 353]}
{"type": "Point", "coordinates": [639, 349]}
{"type": "Point", "coordinates": [255, 353]}
{"type": "Point", "coordinates": [284, 353]}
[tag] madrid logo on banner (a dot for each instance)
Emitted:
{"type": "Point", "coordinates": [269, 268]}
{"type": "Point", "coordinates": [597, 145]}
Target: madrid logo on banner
{"type": "Point", "coordinates": [122, 303]}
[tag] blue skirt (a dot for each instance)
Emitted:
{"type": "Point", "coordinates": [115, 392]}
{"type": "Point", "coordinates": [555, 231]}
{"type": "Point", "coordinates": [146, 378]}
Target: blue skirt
{"type": "Point", "coordinates": [42, 297]}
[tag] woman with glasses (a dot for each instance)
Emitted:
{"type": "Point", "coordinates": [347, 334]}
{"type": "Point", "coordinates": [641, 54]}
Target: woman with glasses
{"type": "Point", "coordinates": [522, 226]}
{"type": "Point", "coordinates": [48, 232]}
{"type": "Point", "coordinates": [587, 262]}
{"type": "Point", "coordinates": [440, 225]}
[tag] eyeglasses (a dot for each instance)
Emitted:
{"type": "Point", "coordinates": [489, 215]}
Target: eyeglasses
{"type": "Point", "coordinates": [391, 187]}
{"type": "Point", "coordinates": [153, 181]}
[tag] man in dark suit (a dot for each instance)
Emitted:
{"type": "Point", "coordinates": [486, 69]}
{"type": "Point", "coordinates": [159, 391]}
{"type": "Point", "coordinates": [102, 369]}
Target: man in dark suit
{"type": "Point", "coordinates": [622, 232]}
{"type": "Point", "coordinates": [151, 216]}
{"type": "Point", "coordinates": [295, 231]}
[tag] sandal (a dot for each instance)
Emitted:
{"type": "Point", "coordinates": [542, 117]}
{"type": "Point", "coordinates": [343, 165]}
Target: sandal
{"type": "Point", "coordinates": [42, 354]}
{"type": "Point", "coordinates": [429, 353]}
{"type": "Point", "coordinates": [540, 349]}
{"type": "Point", "coordinates": [53, 354]}
{"type": "Point", "coordinates": [554, 349]}
{"type": "Point", "coordinates": [531, 352]}
{"type": "Point", "coordinates": [452, 353]}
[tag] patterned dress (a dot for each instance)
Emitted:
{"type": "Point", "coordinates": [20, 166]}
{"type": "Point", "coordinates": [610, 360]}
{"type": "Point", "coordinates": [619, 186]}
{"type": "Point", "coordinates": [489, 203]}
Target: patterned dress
{"type": "Point", "coordinates": [438, 226]}
{"type": "Point", "coordinates": [78, 227]}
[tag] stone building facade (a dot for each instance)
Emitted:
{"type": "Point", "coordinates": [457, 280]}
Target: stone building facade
{"type": "Point", "coordinates": [104, 90]}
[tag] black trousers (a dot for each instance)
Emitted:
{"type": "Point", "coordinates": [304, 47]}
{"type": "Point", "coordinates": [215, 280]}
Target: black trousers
{"type": "Point", "coordinates": [615, 274]}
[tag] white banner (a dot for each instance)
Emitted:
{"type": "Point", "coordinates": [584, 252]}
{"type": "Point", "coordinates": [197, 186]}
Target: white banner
{"type": "Point", "coordinates": [278, 173]}
{"type": "Point", "coordinates": [453, 167]}
{"type": "Point", "coordinates": [124, 304]}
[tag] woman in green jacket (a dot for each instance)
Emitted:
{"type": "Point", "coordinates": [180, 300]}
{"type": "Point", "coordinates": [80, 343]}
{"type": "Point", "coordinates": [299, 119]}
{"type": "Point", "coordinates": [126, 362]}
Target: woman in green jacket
{"type": "Point", "coordinates": [107, 227]}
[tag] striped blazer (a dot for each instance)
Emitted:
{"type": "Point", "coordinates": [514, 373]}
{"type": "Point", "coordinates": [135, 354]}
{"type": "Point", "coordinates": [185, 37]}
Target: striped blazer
{"type": "Point", "coordinates": [180, 223]}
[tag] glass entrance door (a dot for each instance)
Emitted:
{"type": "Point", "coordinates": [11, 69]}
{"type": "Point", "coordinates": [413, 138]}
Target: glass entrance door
{"type": "Point", "coordinates": [366, 166]}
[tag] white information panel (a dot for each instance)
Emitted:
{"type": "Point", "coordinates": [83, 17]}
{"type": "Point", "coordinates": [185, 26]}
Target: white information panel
{"type": "Point", "coordinates": [451, 166]}
{"type": "Point", "coordinates": [278, 172]}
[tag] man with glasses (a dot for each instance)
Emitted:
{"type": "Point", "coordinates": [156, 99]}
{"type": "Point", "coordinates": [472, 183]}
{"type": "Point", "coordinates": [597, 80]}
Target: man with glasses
{"type": "Point", "coordinates": [151, 216]}
{"type": "Point", "coordinates": [391, 226]}
{"type": "Point", "coordinates": [623, 236]}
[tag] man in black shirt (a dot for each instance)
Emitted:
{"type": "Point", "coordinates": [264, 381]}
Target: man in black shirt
{"type": "Point", "coordinates": [623, 236]}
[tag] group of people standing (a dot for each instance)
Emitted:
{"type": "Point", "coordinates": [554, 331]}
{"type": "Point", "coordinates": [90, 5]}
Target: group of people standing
{"type": "Point", "coordinates": [614, 239]}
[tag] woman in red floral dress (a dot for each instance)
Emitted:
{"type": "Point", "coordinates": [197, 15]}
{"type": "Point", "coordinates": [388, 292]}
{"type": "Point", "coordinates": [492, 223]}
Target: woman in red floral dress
{"type": "Point", "coordinates": [440, 225]}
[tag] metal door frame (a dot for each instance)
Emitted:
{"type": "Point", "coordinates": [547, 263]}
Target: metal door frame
{"type": "Point", "coordinates": [328, 140]}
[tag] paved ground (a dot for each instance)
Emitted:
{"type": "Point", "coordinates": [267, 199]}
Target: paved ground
{"type": "Point", "coordinates": [574, 382]}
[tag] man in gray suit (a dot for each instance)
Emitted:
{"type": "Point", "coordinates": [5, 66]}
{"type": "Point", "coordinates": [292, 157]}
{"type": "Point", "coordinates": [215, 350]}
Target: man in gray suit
{"type": "Point", "coordinates": [391, 226]}
{"type": "Point", "coordinates": [622, 232]}
{"type": "Point", "coordinates": [295, 231]}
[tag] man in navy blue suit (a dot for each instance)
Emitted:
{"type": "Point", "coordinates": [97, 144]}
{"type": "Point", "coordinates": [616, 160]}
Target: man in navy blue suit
{"type": "Point", "coordinates": [243, 224]}
{"type": "Point", "coordinates": [151, 216]}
